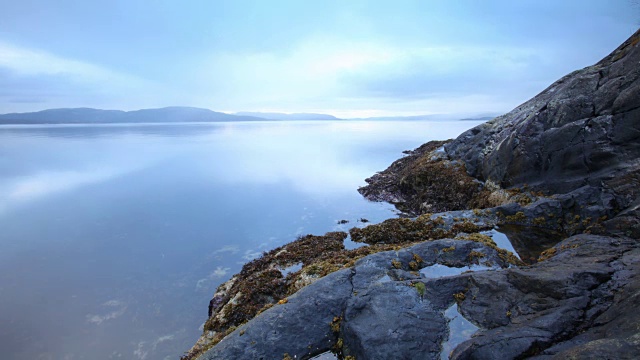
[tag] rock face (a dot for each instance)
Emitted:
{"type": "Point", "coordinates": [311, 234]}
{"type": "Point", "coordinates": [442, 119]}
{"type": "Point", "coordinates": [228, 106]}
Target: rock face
{"type": "Point", "coordinates": [581, 130]}
{"type": "Point", "coordinates": [559, 175]}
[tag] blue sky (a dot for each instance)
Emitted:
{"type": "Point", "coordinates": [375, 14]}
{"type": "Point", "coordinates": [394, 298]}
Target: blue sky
{"type": "Point", "coordinates": [348, 58]}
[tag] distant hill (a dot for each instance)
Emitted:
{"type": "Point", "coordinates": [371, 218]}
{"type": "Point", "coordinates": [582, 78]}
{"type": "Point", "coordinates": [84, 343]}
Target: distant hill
{"type": "Point", "coordinates": [179, 114]}
{"type": "Point", "coordinates": [95, 116]}
{"type": "Point", "coordinates": [283, 116]}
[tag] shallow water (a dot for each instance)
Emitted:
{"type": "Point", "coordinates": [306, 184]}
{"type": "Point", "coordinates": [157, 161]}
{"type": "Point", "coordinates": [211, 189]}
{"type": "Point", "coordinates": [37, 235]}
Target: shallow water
{"type": "Point", "coordinates": [439, 270]}
{"type": "Point", "coordinates": [460, 330]}
{"type": "Point", "coordinates": [502, 241]}
{"type": "Point", "coordinates": [528, 242]}
{"type": "Point", "coordinates": [114, 237]}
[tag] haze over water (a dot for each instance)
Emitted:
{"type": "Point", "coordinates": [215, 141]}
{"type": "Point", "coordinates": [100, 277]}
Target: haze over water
{"type": "Point", "coordinates": [115, 237]}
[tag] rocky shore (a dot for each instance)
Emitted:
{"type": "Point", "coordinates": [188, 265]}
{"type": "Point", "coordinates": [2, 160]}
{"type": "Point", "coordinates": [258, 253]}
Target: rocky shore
{"type": "Point", "coordinates": [559, 175]}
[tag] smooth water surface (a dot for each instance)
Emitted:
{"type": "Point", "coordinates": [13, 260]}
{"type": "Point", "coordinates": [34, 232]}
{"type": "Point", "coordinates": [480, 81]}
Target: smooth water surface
{"type": "Point", "coordinates": [460, 330]}
{"type": "Point", "coordinates": [113, 238]}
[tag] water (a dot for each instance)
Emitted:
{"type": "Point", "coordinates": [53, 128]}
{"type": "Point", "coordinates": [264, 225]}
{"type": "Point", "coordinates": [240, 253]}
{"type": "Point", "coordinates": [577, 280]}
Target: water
{"type": "Point", "coordinates": [439, 270]}
{"type": "Point", "coordinates": [502, 241]}
{"type": "Point", "coordinates": [460, 330]}
{"type": "Point", "coordinates": [114, 237]}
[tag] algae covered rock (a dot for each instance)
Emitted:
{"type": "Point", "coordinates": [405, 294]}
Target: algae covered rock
{"type": "Point", "coordinates": [351, 309]}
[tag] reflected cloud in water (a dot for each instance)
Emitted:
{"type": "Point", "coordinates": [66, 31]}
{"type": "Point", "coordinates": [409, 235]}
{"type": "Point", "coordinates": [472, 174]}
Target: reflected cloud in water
{"type": "Point", "coordinates": [115, 237]}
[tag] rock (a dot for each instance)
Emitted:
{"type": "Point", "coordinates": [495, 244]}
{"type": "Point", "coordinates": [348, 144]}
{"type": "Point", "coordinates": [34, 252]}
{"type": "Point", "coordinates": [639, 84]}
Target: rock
{"type": "Point", "coordinates": [389, 321]}
{"type": "Point", "coordinates": [300, 327]}
{"type": "Point", "coordinates": [581, 130]}
{"type": "Point", "coordinates": [524, 311]}
{"type": "Point", "coordinates": [520, 311]}
{"type": "Point", "coordinates": [373, 292]}
{"type": "Point", "coordinates": [614, 334]}
{"type": "Point", "coordinates": [425, 182]}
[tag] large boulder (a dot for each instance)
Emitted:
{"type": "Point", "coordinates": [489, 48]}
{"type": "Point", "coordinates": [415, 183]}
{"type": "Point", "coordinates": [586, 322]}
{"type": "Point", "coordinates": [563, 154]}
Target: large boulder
{"type": "Point", "coordinates": [581, 130]}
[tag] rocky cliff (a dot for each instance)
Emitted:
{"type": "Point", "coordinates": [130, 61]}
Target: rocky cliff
{"type": "Point", "coordinates": [558, 175]}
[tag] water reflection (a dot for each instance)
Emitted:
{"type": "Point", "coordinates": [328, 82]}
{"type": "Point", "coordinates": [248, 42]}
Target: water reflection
{"type": "Point", "coordinates": [460, 330]}
{"type": "Point", "coordinates": [502, 241]}
{"type": "Point", "coordinates": [115, 237]}
{"type": "Point", "coordinates": [439, 270]}
{"type": "Point", "coordinates": [530, 241]}
{"type": "Point", "coordinates": [79, 131]}
{"type": "Point", "coordinates": [325, 356]}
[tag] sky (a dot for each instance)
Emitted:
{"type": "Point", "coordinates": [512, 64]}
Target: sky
{"type": "Point", "coordinates": [349, 58]}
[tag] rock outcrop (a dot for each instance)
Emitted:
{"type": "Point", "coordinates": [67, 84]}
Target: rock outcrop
{"type": "Point", "coordinates": [352, 311]}
{"type": "Point", "coordinates": [583, 130]}
{"type": "Point", "coordinates": [580, 131]}
{"type": "Point", "coordinates": [559, 175]}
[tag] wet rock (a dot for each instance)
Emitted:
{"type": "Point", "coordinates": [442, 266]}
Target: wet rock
{"type": "Point", "coordinates": [520, 311]}
{"type": "Point", "coordinates": [525, 311]}
{"type": "Point", "coordinates": [614, 333]}
{"type": "Point", "coordinates": [372, 329]}
{"type": "Point", "coordinates": [302, 327]}
{"type": "Point", "coordinates": [530, 241]}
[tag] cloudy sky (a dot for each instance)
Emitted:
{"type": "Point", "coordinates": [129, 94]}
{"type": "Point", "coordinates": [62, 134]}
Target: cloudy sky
{"type": "Point", "coordinates": [344, 57]}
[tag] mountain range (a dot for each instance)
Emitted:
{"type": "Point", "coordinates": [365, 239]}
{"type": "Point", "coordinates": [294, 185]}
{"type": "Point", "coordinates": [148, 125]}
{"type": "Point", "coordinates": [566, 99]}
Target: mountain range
{"type": "Point", "coordinates": [181, 114]}
{"type": "Point", "coordinates": [95, 116]}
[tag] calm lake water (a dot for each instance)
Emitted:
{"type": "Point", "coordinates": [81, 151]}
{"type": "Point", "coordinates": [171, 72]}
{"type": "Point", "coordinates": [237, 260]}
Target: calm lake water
{"type": "Point", "coordinates": [113, 238]}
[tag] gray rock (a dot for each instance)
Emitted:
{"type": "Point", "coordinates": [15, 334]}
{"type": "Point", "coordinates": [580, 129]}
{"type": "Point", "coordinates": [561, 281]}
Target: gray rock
{"type": "Point", "coordinates": [370, 303]}
{"type": "Point", "coordinates": [300, 328]}
{"type": "Point", "coordinates": [520, 311]}
{"type": "Point", "coordinates": [581, 130]}
{"type": "Point", "coordinates": [526, 311]}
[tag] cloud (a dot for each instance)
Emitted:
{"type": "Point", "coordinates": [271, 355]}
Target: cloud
{"type": "Point", "coordinates": [338, 74]}
{"type": "Point", "coordinates": [23, 61]}
{"type": "Point", "coordinates": [35, 76]}
{"type": "Point", "coordinates": [218, 273]}
{"type": "Point", "coordinates": [438, 71]}
{"type": "Point", "coordinates": [14, 192]}
{"type": "Point", "coordinates": [119, 308]}
{"type": "Point", "coordinates": [253, 153]}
